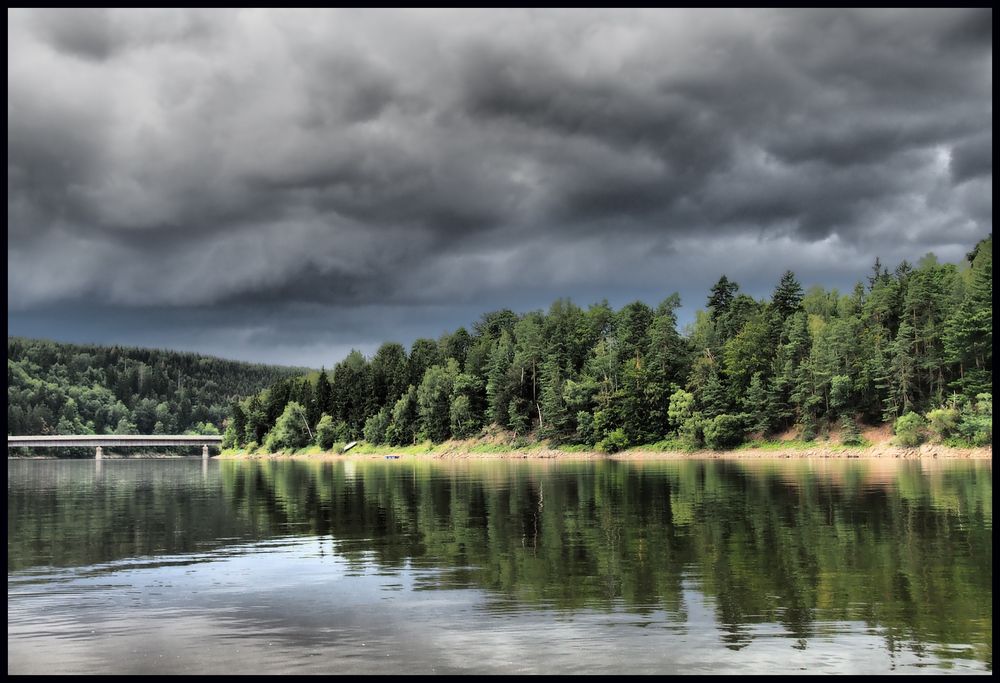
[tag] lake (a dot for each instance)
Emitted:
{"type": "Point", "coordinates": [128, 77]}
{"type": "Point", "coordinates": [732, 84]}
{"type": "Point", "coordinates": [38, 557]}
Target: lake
{"type": "Point", "coordinates": [355, 566]}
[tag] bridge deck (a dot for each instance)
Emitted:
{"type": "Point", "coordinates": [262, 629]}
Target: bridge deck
{"type": "Point", "coordinates": [94, 440]}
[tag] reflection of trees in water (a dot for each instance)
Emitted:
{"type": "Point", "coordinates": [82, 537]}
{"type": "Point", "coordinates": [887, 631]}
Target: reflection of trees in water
{"type": "Point", "coordinates": [766, 546]}
{"type": "Point", "coordinates": [796, 546]}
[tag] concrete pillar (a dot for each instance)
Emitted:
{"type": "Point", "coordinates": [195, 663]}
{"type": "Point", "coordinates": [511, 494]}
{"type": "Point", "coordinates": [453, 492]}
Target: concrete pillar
{"type": "Point", "coordinates": [100, 453]}
{"type": "Point", "coordinates": [204, 452]}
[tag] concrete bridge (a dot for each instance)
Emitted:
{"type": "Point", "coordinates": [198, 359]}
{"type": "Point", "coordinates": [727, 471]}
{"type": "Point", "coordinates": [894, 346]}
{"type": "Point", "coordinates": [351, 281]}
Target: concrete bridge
{"type": "Point", "coordinates": [102, 441]}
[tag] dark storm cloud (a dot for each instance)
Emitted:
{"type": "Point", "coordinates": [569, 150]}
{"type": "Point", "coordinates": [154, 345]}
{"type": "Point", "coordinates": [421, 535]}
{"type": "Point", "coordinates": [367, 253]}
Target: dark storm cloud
{"type": "Point", "coordinates": [972, 158]}
{"type": "Point", "coordinates": [259, 160]}
{"type": "Point", "coordinates": [100, 34]}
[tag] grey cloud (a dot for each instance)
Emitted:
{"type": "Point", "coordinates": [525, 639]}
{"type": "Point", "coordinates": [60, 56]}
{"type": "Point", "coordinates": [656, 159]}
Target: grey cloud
{"type": "Point", "coordinates": [361, 159]}
{"type": "Point", "coordinates": [82, 32]}
{"type": "Point", "coordinates": [99, 34]}
{"type": "Point", "coordinates": [972, 158]}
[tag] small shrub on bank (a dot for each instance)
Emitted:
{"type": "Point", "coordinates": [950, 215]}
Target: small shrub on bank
{"type": "Point", "coordinates": [850, 435]}
{"type": "Point", "coordinates": [230, 440]}
{"type": "Point", "coordinates": [808, 432]}
{"type": "Point", "coordinates": [976, 426]}
{"type": "Point", "coordinates": [942, 423]}
{"type": "Point", "coordinates": [326, 433]}
{"type": "Point", "coordinates": [723, 432]}
{"type": "Point", "coordinates": [911, 430]}
{"type": "Point", "coordinates": [615, 441]}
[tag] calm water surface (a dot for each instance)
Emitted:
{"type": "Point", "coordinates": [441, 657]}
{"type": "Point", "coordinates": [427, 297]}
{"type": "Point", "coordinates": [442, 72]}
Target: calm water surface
{"type": "Point", "coordinates": [180, 566]}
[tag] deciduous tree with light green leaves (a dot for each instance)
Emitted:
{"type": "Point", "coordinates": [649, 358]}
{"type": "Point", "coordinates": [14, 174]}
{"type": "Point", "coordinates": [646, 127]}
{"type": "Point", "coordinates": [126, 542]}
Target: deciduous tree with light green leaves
{"type": "Point", "coordinates": [291, 431]}
{"type": "Point", "coordinates": [434, 401]}
{"type": "Point", "coordinates": [326, 432]}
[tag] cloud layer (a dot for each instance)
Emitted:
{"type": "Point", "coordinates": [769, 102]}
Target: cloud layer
{"type": "Point", "coordinates": [277, 161]}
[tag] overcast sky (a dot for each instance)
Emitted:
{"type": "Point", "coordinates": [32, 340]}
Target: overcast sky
{"type": "Point", "coordinates": [286, 185]}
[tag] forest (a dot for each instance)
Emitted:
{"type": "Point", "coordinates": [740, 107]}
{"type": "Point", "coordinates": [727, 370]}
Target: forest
{"type": "Point", "coordinates": [56, 388]}
{"type": "Point", "coordinates": [911, 347]}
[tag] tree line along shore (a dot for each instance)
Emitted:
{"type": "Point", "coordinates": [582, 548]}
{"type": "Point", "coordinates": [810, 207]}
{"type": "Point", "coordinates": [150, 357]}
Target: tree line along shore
{"type": "Point", "coordinates": [909, 350]}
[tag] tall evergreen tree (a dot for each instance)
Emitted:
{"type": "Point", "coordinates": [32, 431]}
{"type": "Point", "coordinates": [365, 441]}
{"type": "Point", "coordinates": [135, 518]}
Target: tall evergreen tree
{"type": "Point", "coordinates": [324, 393]}
{"type": "Point", "coordinates": [968, 333]}
{"type": "Point", "coordinates": [423, 354]}
{"type": "Point", "coordinates": [787, 298]}
{"type": "Point", "coordinates": [390, 373]}
{"type": "Point", "coordinates": [721, 296]}
{"type": "Point", "coordinates": [500, 388]}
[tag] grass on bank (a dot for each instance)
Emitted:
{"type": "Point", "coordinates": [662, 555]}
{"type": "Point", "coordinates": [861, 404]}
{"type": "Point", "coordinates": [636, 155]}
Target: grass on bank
{"type": "Point", "coordinates": [521, 445]}
{"type": "Point", "coordinates": [801, 445]}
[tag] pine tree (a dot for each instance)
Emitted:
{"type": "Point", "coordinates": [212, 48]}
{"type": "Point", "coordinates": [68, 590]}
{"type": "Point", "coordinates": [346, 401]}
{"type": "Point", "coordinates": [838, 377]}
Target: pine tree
{"type": "Point", "coordinates": [277, 398]}
{"type": "Point", "coordinates": [557, 420]}
{"type": "Point", "coordinates": [529, 350]}
{"type": "Point", "coordinates": [787, 298]}
{"type": "Point", "coordinates": [713, 397]}
{"type": "Point", "coordinates": [901, 380]}
{"type": "Point", "coordinates": [324, 394]}
{"type": "Point", "coordinates": [390, 373]}
{"type": "Point", "coordinates": [307, 398]}
{"type": "Point", "coordinates": [755, 405]}
{"type": "Point", "coordinates": [668, 359]}
{"type": "Point", "coordinates": [238, 422]}
{"type": "Point", "coordinates": [423, 354]}
{"type": "Point", "coordinates": [257, 424]}
{"type": "Point", "coordinates": [499, 390]}
{"type": "Point", "coordinates": [721, 296]}
{"type": "Point", "coordinates": [968, 333]}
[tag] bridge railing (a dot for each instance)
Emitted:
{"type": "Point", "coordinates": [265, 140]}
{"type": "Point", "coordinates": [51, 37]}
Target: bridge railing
{"type": "Point", "coordinates": [101, 441]}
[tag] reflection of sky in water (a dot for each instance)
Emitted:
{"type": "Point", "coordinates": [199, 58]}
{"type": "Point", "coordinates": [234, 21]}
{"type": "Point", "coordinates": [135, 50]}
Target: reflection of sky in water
{"type": "Point", "coordinates": [293, 605]}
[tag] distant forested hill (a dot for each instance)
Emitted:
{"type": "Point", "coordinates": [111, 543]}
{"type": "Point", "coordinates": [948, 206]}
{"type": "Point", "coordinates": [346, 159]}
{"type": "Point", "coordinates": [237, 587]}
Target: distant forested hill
{"type": "Point", "coordinates": [55, 388]}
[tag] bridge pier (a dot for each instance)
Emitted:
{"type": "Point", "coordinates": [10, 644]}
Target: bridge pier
{"type": "Point", "coordinates": [204, 452]}
{"type": "Point", "coordinates": [100, 454]}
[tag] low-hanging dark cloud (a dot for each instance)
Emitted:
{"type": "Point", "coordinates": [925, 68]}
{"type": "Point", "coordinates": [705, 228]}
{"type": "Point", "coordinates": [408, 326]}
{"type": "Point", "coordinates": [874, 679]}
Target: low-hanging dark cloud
{"type": "Point", "coordinates": [255, 171]}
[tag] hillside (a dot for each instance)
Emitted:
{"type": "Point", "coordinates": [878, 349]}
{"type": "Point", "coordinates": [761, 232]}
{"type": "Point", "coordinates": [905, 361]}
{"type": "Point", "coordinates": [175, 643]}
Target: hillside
{"type": "Point", "coordinates": [57, 388]}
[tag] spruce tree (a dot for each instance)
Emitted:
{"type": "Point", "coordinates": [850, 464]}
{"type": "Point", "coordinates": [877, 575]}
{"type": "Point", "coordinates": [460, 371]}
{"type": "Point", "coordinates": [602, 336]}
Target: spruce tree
{"type": "Point", "coordinates": [755, 405]}
{"type": "Point", "coordinates": [721, 296]}
{"type": "Point", "coordinates": [324, 394]}
{"type": "Point", "coordinates": [787, 298]}
{"type": "Point", "coordinates": [499, 389]}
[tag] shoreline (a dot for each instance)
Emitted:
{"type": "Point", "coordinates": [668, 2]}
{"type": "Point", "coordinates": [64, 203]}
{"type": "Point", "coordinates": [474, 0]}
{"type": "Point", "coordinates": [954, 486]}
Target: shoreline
{"type": "Point", "coordinates": [819, 452]}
